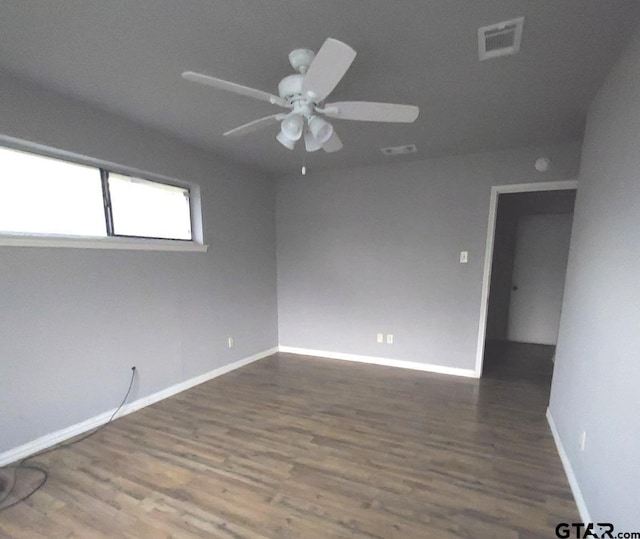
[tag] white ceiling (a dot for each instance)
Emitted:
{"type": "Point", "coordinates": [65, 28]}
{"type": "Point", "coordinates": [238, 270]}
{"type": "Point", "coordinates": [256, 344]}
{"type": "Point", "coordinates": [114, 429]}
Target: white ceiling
{"type": "Point", "coordinates": [127, 56]}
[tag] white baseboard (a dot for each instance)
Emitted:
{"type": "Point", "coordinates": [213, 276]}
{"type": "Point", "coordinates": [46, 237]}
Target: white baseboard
{"type": "Point", "coordinates": [48, 440]}
{"type": "Point", "coordinates": [387, 362]}
{"type": "Point", "coordinates": [568, 470]}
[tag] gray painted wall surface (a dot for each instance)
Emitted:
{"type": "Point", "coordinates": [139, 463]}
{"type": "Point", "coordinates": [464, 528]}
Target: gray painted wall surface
{"type": "Point", "coordinates": [376, 249]}
{"type": "Point", "coordinates": [595, 383]}
{"type": "Point", "coordinates": [540, 265]}
{"type": "Point", "coordinates": [73, 321]}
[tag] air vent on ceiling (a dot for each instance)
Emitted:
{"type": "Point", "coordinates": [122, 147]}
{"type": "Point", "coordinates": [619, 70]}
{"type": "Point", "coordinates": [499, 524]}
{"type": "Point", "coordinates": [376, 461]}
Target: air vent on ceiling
{"type": "Point", "coordinates": [398, 150]}
{"type": "Point", "coordinates": [500, 39]}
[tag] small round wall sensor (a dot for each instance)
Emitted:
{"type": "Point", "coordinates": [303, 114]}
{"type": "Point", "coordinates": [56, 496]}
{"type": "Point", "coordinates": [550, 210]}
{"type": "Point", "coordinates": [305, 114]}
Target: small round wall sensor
{"type": "Point", "coordinates": [542, 164]}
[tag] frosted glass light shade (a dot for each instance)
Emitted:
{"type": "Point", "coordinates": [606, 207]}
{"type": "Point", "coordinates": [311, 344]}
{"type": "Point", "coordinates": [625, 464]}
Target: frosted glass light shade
{"type": "Point", "coordinates": [310, 142]}
{"type": "Point", "coordinates": [283, 139]}
{"type": "Point", "coordinates": [292, 126]}
{"type": "Point", "coordinates": [320, 128]}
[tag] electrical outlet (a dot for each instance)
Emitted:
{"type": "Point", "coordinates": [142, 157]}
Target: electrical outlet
{"type": "Point", "coordinates": [583, 440]}
{"type": "Point", "coordinates": [390, 338]}
{"type": "Point", "coordinates": [380, 338]}
{"type": "Point", "coordinates": [464, 257]}
{"type": "Point", "coordinates": [230, 342]}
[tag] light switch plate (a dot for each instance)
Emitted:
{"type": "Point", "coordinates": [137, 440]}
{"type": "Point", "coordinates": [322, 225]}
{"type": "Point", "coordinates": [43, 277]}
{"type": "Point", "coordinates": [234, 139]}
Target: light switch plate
{"type": "Point", "coordinates": [464, 257]}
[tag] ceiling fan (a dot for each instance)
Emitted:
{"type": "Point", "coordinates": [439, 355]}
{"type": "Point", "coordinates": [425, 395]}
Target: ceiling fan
{"type": "Point", "coordinates": [304, 94]}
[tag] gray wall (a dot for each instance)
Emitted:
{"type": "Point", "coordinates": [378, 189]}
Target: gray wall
{"type": "Point", "coordinates": [595, 383]}
{"type": "Point", "coordinates": [73, 321]}
{"type": "Point", "coordinates": [376, 249]}
{"type": "Point", "coordinates": [542, 250]}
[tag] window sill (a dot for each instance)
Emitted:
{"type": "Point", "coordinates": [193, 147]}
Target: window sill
{"type": "Point", "coordinates": [84, 242]}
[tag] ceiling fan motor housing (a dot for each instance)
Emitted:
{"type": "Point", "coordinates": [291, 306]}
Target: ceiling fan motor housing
{"type": "Point", "coordinates": [290, 88]}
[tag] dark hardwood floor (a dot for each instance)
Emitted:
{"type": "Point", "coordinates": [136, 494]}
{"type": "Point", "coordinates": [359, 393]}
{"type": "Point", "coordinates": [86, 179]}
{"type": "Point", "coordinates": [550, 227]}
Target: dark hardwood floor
{"type": "Point", "coordinates": [302, 447]}
{"type": "Point", "coordinates": [519, 362]}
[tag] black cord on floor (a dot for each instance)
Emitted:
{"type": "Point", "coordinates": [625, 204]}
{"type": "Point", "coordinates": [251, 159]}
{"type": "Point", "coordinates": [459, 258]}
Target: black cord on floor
{"type": "Point", "coordinates": [22, 465]}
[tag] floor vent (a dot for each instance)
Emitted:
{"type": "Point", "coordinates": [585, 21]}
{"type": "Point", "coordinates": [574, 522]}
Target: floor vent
{"type": "Point", "coordinates": [500, 39]}
{"type": "Point", "coordinates": [398, 150]}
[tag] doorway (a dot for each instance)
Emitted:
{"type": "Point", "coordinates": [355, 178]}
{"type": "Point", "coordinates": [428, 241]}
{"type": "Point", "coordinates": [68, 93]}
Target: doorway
{"type": "Point", "coordinates": [525, 266]}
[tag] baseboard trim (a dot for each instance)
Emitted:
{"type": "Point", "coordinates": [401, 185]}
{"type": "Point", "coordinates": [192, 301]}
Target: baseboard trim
{"type": "Point", "coordinates": [48, 440]}
{"type": "Point", "coordinates": [568, 470]}
{"type": "Point", "coordinates": [374, 360]}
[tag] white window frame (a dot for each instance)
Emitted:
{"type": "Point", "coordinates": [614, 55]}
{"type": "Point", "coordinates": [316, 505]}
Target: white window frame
{"type": "Point", "coordinates": [196, 244]}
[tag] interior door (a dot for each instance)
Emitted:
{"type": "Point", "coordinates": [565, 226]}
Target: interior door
{"type": "Point", "coordinates": [540, 264]}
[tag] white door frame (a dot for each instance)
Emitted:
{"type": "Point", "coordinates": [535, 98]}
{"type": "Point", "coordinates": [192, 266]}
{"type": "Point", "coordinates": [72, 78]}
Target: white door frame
{"type": "Point", "coordinates": [496, 191]}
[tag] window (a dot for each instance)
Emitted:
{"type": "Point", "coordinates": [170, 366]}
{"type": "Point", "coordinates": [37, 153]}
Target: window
{"type": "Point", "coordinates": [149, 209]}
{"type": "Point", "coordinates": [41, 195]}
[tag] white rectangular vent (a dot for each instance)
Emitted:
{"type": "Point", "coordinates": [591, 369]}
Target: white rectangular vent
{"type": "Point", "coordinates": [398, 150]}
{"type": "Point", "coordinates": [500, 39]}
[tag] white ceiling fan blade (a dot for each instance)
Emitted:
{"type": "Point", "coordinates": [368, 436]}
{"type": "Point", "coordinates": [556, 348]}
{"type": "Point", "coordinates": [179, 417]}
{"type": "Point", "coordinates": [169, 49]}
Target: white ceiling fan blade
{"type": "Point", "coordinates": [327, 69]}
{"type": "Point", "coordinates": [222, 84]}
{"type": "Point", "coordinates": [366, 111]}
{"type": "Point", "coordinates": [334, 144]}
{"type": "Point", "coordinates": [255, 125]}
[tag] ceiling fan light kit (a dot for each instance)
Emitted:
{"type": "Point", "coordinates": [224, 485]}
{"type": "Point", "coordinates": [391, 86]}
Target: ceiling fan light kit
{"type": "Point", "coordinates": [287, 142]}
{"type": "Point", "coordinates": [304, 94]}
{"type": "Point", "coordinates": [292, 126]}
{"type": "Point", "coordinates": [311, 144]}
{"type": "Point", "coordinates": [320, 129]}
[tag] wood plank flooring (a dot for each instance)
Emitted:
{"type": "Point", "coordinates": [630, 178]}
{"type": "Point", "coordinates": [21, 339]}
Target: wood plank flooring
{"type": "Point", "coordinates": [303, 447]}
{"type": "Point", "coordinates": [519, 362]}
